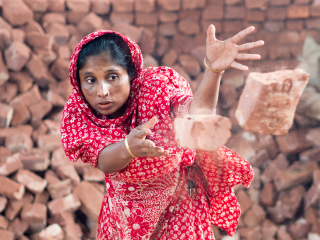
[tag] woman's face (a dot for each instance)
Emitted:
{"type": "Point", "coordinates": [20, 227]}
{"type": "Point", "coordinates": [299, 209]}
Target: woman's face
{"type": "Point", "coordinates": [105, 85]}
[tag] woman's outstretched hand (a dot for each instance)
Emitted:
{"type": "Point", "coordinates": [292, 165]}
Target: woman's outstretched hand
{"type": "Point", "coordinates": [142, 147]}
{"type": "Point", "coordinates": [221, 55]}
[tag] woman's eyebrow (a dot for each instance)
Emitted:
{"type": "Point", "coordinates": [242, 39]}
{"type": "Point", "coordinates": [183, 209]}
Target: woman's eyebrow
{"type": "Point", "coordinates": [87, 73]}
{"type": "Point", "coordinates": [112, 70]}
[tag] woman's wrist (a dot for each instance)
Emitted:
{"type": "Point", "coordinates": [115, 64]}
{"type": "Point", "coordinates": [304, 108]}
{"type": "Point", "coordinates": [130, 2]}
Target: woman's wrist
{"type": "Point", "coordinates": [220, 72]}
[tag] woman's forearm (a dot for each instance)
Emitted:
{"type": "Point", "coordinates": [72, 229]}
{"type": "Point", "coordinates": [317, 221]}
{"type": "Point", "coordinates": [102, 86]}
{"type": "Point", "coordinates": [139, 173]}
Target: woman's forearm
{"type": "Point", "coordinates": [113, 158]}
{"type": "Point", "coordinates": [206, 96]}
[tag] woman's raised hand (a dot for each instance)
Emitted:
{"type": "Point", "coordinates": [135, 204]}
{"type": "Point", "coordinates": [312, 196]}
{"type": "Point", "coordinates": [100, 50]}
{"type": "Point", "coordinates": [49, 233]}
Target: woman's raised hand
{"type": "Point", "coordinates": [142, 147]}
{"type": "Point", "coordinates": [221, 55]}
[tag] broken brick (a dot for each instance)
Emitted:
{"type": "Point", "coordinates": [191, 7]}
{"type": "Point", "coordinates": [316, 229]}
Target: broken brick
{"type": "Point", "coordinates": [36, 215]}
{"type": "Point", "coordinates": [16, 12]}
{"type": "Point", "coordinates": [69, 203]}
{"type": "Point", "coordinates": [30, 180]}
{"type": "Point", "coordinates": [17, 55]}
{"type": "Point", "coordinates": [11, 189]}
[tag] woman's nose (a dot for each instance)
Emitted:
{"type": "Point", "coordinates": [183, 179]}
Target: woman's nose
{"type": "Point", "coordinates": [103, 90]}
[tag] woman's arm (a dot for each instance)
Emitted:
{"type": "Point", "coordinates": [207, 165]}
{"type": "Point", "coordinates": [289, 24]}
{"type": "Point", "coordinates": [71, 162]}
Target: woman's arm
{"type": "Point", "coordinates": [116, 157]}
{"type": "Point", "coordinates": [220, 55]}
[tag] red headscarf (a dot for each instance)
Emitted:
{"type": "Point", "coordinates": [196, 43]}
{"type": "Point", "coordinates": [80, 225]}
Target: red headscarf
{"type": "Point", "coordinates": [160, 92]}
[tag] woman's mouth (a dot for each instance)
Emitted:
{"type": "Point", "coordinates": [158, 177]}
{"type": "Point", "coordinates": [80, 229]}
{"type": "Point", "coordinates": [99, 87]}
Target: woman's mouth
{"type": "Point", "coordinates": [104, 105]}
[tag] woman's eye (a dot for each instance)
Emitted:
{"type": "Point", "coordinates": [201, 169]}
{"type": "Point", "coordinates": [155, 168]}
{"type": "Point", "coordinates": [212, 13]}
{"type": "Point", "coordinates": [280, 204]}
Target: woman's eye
{"type": "Point", "coordinates": [112, 77]}
{"type": "Point", "coordinates": [90, 80]}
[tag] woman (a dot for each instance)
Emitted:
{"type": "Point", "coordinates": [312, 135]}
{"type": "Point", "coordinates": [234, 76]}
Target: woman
{"type": "Point", "coordinates": [120, 118]}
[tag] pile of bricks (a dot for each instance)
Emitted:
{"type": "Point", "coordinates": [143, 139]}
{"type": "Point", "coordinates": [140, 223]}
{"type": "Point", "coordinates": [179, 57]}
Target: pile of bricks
{"type": "Point", "coordinates": [44, 196]}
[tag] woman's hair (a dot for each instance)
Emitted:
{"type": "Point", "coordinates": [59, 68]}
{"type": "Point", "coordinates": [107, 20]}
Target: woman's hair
{"type": "Point", "coordinates": [115, 49]}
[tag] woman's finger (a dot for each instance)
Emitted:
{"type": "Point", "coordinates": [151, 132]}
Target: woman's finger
{"type": "Point", "coordinates": [239, 66]}
{"type": "Point", "coordinates": [149, 124]}
{"type": "Point", "coordinates": [241, 35]}
{"type": "Point", "coordinates": [245, 56]}
{"type": "Point", "coordinates": [211, 34]}
{"type": "Point", "coordinates": [249, 46]}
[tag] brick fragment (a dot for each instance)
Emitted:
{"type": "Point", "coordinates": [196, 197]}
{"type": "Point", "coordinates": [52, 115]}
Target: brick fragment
{"type": "Point", "coordinates": [188, 27]}
{"type": "Point", "coordinates": [16, 12]}
{"type": "Point", "coordinates": [10, 165]}
{"type": "Point", "coordinates": [235, 12]}
{"type": "Point", "coordinates": [61, 218]}
{"type": "Point", "coordinates": [36, 215]}
{"type": "Point", "coordinates": [194, 131]}
{"type": "Point", "coordinates": [132, 32]}
{"type": "Point", "coordinates": [93, 175]}
{"type": "Point", "coordinates": [268, 195]}
{"type": "Point", "coordinates": [146, 19]}
{"type": "Point", "coordinates": [37, 5]}
{"type": "Point", "coordinates": [6, 235]}
{"type": "Point", "coordinates": [165, 17]}
{"type": "Point", "coordinates": [50, 18]}
{"type": "Point", "coordinates": [6, 114]}
{"type": "Point", "coordinates": [30, 180]}
{"type": "Point", "coordinates": [116, 17]}
{"type": "Point", "coordinates": [252, 4]}
{"type": "Point", "coordinates": [145, 6]}
{"type": "Point", "coordinates": [213, 13]}
{"type": "Point", "coordinates": [14, 206]}
{"type": "Point", "coordinates": [170, 58]}
{"type": "Point", "coordinates": [297, 11]}
{"type": "Point", "coordinates": [53, 231]}
{"type": "Point", "coordinates": [250, 233]}
{"type": "Point", "coordinates": [169, 5]}
{"type": "Point", "coordinates": [69, 203]}
{"type": "Point", "coordinates": [51, 177]}
{"type": "Point", "coordinates": [5, 132]}
{"type": "Point", "coordinates": [60, 68]}
{"type": "Point", "coordinates": [60, 189]}
{"type": "Point", "coordinates": [39, 40]}
{"type": "Point", "coordinates": [59, 158]}
{"type": "Point", "coordinates": [39, 71]}
{"type": "Point", "coordinates": [244, 201]}
{"type": "Point", "coordinates": [4, 74]}
{"type": "Point", "coordinates": [73, 231]}
{"type": "Point", "coordinates": [3, 203]}
{"type": "Point", "coordinates": [293, 142]}
{"type": "Point", "coordinates": [150, 61]}
{"type": "Point", "coordinates": [147, 41]}
{"type": "Point", "coordinates": [19, 141]}
{"type": "Point", "coordinates": [271, 97]}
{"type": "Point", "coordinates": [56, 5]}
{"type": "Point", "coordinates": [17, 55]}
{"type": "Point", "coordinates": [167, 29]}
{"type": "Point", "coordinates": [190, 64]}
{"type": "Point", "coordinates": [233, 2]}
{"type": "Point", "coordinates": [100, 6]}
{"type": "Point", "coordinates": [310, 155]}
{"type": "Point", "coordinates": [300, 228]}
{"type": "Point", "coordinates": [286, 205]}
{"type": "Point", "coordinates": [78, 6]}
{"type": "Point", "coordinates": [49, 142]}
{"type": "Point", "coordinates": [47, 56]}
{"type": "Point", "coordinates": [3, 222]}
{"type": "Point", "coordinates": [11, 189]}
{"type": "Point", "coordinates": [193, 4]}
{"type": "Point", "coordinates": [277, 13]}
{"type": "Point", "coordinates": [5, 25]}
{"type": "Point", "coordinates": [18, 35]}
{"type": "Point", "coordinates": [90, 198]}
{"type": "Point", "coordinates": [90, 23]}
{"type": "Point", "coordinates": [268, 229]}
{"type": "Point", "coordinates": [18, 227]}
{"type": "Point", "coordinates": [42, 197]}
{"type": "Point", "coordinates": [59, 33]}
{"type": "Point", "coordinates": [5, 38]}
{"type": "Point", "coordinates": [254, 216]}
{"type": "Point", "coordinates": [22, 79]}
{"type": "Point", "coordinates": [68, 171]}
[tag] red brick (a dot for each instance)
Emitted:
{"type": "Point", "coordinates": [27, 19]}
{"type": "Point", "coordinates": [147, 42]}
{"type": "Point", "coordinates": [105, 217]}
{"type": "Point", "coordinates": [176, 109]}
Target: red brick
{"type": "Point", "coordinates": [21, 113]}
{"type": "Point", "coordinates": [244, 201]}
{"type": "Point", "coordinates": [188, 27]}
{"type": "Point", "coordinates": [165, 17]}
{"type": "Point", "coordinates": [30, 180]}
{"type": "Point", "coordinates": [39, 71]}
{"type": "Point", "coordinates": [42, 197]}
{"type": "Point", "coordinates": [37, 5]}
{"type": "Point", "coordinates": [49, 142]}
{"type": "Point", "coordinates": [162, 45]}
{"type": "Point", "coordinates": [6, 235]}
{"type": "Point", "coordinates": [39, 110]}
{"type": "Point", "coordinates": [51, 177]}
{"type": "Point", "coordinates": [231, 26]}
{"type": "Point", "coordinates": [56, 5]}
{"type": "Point", "coordinates": [167, 29]}
{"type": "Point", "coordinates": [132, 32]}
{"type": "Point", "coordinates": [68, 203]}
{"type": "Point", "coordinates": [235, 12]}
{"type": "Point", "coordinates": [297, 11]}
{"type": "Point", "coordinates": [299, 229]}
{"type": "Point", "coordinates": [93, 175]}
{"type": "Point", "coordinates": [193, 4]}
{"type": "Point", "coordinates": [169, 5]}
{"type": "Point", "coordinates": [6, 114]}
{"type": "Point", "coordinates": [255, 16]}
{"type": "Point", "coordinates": [268, 229]}
{"type": "Point", "coordinates": [59, 32]}
{"type": "Point", "coordinates": [3, 222]}
{"type": "Point", "coordinates": [5, 25]}
{"type": "Point", "coordinates": [293, 142]}
{"type": "Point", "coordinates": [11, 189]}
{"type": "Point", "coordinates": [213, 13]}
{"type": "Point", "coordinates": [279, 2]}
{"type": "Point", "coordinates": [310, 155]}
{"type": "Point", "coordinates": [147, 41]}
{"type": "Point", "coordinates": [75, 17]}
{"type": "Point", "coordinates": [182, 43]}
{"type": "Point", "coordinates": [233, 2]}
{"type": "Point", "coordinates": [61, 218]}
{"type": "Point", "coordinates": [22, 79]}
{"type": "Point", "coordinates": [3, 203]}
{"type": "Point", "coordinates": [100, 6]}
{"type": "Point", "coordinates": [46, 56]}
{"type": "Point", "coordinates": [39, 40]}
{"type": "Point", "coordinates": [90, 198]}
{"type": "Point", "coordinates": [10, 165]}
{"type": "Point", "coordinates": [18, 35]}
{"type": "Point", "coordinates": [73, 231]}
{"type": "Point", "coordinates": [5, 132]}
{"type": "Point", "coordinates": [53, 231]}
{"type": "Point", "coordinates": [279, 52]}
{"type": "Point", "coordinates": [254, 216]}
{"type": "Point", "coordinates": [315, 9]}
{"type": "Point", "coordinates": [122, 5]}
{"type": "Point", "coordinates": [289, 37]}
{"type": "Point", "coordinates": [145, 6]}
{"type": "Point", "coordinates": [280, 163]}
{"type": "Point", "coordinates": [18, 227]}
{"type": "Point", "coordinates": [90, 23]}
{"type": "Point", "coordinates": [79, 6]}
{"type": "Point", "coordinates": [116, 17]}
{"type": "Point", "coordinates": [274, 26]}
{"type": "Point", "coordinates": [16, 12]}
{"type": "Point", "coordinates": [60, 189]}
{"type": "Point", "coordinates": [294, 25]}
{"type": "Point", "coordinates": [49, 18]}
{"type": "Point", "coordinates": [283, 234]}
{"type": "Point", "coordinates": [277, 13]}
{"type": "Point", "coordinates": [146, 19]}
{"type": "Point", "coordinates": [268, 195]}
{"type": "Point", "coordinates": [190, 64]}
{"type": "Point", "coordinates": [296, 174]}
{"type": "Point", "coordinates": [32, 26]}
{"type": "Point", "coordinates": [261, 4]}
{"type": "Point", "coordinates": [17, 55]}
{"type": "Point", "coordinates": [19, 141]}
{"type": "Point", "coordinates": [60, 68]}
{"type": "Point", "coordinates": [4, 74]}
{"type": "Point", "coordinates": [5, 38]}
{"type": "Point", "coordinates": [313, 23]}
{"type": "Point", "coordinates": [68, 171]}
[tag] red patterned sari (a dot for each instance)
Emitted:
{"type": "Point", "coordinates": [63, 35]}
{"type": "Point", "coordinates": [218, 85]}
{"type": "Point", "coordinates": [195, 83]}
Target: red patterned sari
{"type": "Point", "coordinates": [150, 199]}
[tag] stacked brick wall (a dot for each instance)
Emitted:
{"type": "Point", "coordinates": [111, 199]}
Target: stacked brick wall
{"type": "Point", "coordinates": [42, 194]}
